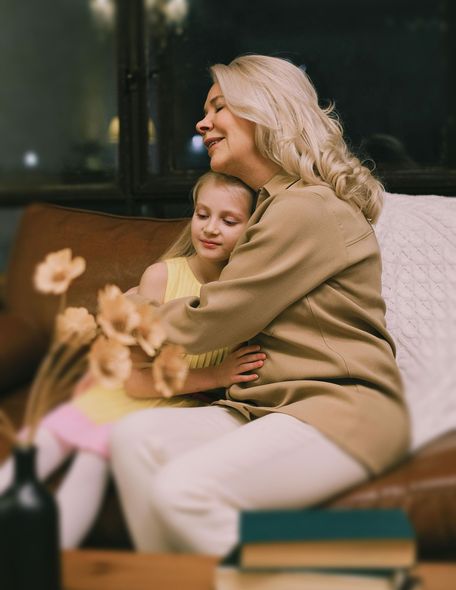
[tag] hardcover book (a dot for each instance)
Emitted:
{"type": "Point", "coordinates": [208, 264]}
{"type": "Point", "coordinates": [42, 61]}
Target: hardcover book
{"type": "Point", "coordinates": [229, 575]}
{"type": "Point", "coordinates": [327, 538]}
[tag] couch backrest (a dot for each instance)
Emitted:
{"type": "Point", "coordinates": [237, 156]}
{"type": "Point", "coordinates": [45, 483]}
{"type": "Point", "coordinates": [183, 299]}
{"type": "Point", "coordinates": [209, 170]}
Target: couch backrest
{"type": "Point", "coordinates": [117, 249]}
{"type": "Point", "coordinates": [417, 236]}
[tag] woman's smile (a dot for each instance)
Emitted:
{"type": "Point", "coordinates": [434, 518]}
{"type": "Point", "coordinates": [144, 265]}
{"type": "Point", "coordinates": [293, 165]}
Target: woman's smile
{"type": "Point", "coordinates": [211, 142]}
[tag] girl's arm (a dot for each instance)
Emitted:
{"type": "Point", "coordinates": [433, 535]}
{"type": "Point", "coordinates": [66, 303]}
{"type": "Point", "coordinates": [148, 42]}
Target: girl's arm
{"type": "Point", "coordinates": [152, 285]}
{"type": "Point", "coordinates": [232, 370]}
{"type": "Point", "coordinates": [153, 282]}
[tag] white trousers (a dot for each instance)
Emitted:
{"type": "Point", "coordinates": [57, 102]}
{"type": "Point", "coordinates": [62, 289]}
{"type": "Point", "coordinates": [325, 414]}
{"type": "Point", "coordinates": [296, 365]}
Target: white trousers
{"type": "Point", "coordinates": [184, 474]}
{"type": "Point", "coordinates": [80, 494]}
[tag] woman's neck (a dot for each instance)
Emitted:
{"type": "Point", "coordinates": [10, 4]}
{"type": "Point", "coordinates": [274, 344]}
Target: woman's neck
{"type": "Point", "coordinates": [257, 176]}
{"type": "Point", "coordinates": [205, 271]}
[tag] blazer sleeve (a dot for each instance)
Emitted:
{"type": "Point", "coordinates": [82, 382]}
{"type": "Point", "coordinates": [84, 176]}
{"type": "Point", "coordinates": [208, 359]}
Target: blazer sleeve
{"type": "Point", "coordinates": [295, 246]}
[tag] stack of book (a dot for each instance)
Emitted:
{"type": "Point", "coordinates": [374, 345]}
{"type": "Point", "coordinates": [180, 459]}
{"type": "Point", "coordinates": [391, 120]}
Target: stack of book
{"type": "Point", "coordinates": [318, 549]}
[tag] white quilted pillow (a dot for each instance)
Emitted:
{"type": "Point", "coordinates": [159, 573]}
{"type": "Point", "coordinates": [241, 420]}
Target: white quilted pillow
{"type": "Point", "coordinates": [417, 236]}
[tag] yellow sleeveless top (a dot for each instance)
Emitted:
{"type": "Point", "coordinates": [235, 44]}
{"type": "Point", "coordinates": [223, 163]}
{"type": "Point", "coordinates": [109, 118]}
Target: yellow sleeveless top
{"type": "Point", "coordinates": [106, 405]}
{"type": "Point", "coordinates": [183, 283]}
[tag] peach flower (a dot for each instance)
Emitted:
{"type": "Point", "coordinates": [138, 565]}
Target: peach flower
{"type": "Point", "coordinates": [170, 370]}
{"type": "Point", "coordinates": [109, 362]}
{"type": "Point", "coordinates": [118, 315]}
{"type": "Point", "coordinates": [75, 321]}
{"type": "Point", "coordinates": [56, 272]}
{"type": "Point", "coordinates": [149, 333]}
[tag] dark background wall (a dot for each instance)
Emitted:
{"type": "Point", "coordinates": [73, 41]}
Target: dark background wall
{"type": "Point", "coordinates": [99, 98]}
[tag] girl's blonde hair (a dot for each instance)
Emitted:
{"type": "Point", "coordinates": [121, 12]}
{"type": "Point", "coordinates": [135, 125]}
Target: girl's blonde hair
{"type": "Point", "coordinates": [293, 131]}
{"type": "Point", "coordinates": [183, 245]}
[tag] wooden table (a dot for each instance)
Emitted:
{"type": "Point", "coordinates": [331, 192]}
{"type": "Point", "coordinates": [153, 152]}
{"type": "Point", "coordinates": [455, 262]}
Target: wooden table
{"type": "Point", "coordinates": [437, 576]}
{"type": "Point", "coordinates": [122, 570]}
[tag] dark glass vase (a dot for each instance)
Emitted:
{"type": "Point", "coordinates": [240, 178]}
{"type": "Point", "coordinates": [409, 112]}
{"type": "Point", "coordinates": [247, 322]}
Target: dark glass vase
{"type": "Point", "coordinates": [29, 541]}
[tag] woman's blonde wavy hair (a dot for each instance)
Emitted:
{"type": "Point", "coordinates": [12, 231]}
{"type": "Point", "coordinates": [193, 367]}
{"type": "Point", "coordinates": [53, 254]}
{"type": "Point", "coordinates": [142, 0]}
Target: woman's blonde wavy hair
{"type": "Point", "coordinates": [292, 129]}
{"type": "Point", "coordinates": [183, 245]}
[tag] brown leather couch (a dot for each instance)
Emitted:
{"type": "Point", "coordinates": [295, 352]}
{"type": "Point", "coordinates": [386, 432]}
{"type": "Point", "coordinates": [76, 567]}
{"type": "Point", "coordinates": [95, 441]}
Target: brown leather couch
{"type": "Point", "coordinates": [117, 250]}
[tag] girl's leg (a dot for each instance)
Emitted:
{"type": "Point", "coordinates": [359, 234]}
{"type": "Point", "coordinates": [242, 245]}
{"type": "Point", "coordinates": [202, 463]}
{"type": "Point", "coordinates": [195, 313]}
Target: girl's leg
{"type": "Point", "coordinates": [145, 441]}
{"type": "Point", "coordinates": [50, 454]}
{"type": "Point", "coordinates": [273, 462]}
{"type": "Point", "coordinates": [79, 497]}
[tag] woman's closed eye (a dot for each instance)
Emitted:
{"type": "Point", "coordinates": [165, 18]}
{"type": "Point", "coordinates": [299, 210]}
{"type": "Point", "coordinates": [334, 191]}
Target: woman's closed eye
{"type": "Point", "coordinates": [231, 222]}
{"type": "Point", "coordinates": [218, 106]}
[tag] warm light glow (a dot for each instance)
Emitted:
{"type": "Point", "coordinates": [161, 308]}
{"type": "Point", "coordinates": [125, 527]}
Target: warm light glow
{"type": "Point", "coordinates": [174, 11]}
{"type": "Point", "coordinates": [114, 131]}
{"type": "Point", "coordinates": [103, 11]}
{"type": "Point", "coordinates": [151, 131]}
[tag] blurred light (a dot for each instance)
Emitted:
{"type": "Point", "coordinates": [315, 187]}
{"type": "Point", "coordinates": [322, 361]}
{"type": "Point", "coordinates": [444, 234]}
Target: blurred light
{"type": "Point", "coordinates": [113, 130]}
{"type": "Point", "coordinates": [103, 11]}
{"type": "Point", "coordinates": [173, 12]}
{"type": "Point", "coordinates": [151, 131]}
{"type": "Point", "coordinates": [176, 11]}
{"type": "Point", "coordinates": [30, 159]}
{"type": "Point", "coordinates": [196, 144]}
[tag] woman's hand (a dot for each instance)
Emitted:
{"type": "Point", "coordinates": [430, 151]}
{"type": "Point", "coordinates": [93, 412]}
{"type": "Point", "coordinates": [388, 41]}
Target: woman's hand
{"type": "Point", "coordinates": [234, 367]}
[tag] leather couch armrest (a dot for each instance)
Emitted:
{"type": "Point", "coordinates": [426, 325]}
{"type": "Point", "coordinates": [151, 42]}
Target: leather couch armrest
{"type": "Point", "coordinates": [21, 349]}
{"type": "Point", "coordinates": [424, 486]}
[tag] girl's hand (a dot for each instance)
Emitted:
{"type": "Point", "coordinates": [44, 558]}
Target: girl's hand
{"type": "Point", "coordinates": [233, 369]}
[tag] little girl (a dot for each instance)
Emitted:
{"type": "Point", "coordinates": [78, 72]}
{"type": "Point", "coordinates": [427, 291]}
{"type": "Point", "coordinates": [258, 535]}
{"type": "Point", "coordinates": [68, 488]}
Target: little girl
{"type": "Point", "coordinates": [222, 207]}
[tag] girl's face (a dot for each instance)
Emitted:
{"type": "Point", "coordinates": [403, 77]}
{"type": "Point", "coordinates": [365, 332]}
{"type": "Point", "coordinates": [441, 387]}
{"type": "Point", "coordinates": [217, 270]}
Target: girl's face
{"type": "Point", "coordinates": [220, 217]}
{"type": "Point", "coordinates": [230, 140]}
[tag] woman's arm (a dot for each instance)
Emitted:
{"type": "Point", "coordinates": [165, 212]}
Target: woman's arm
{"type": "Point", "coordinates": [290, 247]}
{"type": "Point", "coordinates": [232, 370]}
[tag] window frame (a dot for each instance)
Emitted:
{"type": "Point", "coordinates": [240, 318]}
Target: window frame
{"type": "Point", "coordinates": [135, 191]}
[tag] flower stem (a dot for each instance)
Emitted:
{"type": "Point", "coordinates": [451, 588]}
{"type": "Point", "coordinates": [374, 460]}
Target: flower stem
{"type": "Point", "coordinates": [46, 389]}
{"type": "Point", "coordinates": [7, 430]}
{"type": "Point", "coordinates": [36, 390]}
{"type": "Point", "coordinates": [62, 304]}
{"type": "Point", "coordinates": [142, 365]}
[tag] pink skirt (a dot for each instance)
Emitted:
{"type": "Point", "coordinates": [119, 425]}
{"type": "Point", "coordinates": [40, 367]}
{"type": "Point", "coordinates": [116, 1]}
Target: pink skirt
{"type": "Point", "coordinates": [74, 429]}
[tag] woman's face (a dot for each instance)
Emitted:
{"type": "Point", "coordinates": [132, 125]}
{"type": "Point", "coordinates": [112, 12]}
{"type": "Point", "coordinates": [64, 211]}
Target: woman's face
{"type": "Point", "coordinates": [229, 139]}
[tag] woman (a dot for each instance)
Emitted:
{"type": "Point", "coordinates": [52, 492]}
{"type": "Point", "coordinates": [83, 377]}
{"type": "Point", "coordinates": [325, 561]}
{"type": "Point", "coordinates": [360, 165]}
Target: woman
{"type": "Point", "coordinates": [303, 282]}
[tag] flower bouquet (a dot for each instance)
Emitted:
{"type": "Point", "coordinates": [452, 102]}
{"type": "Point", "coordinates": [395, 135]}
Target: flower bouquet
{"type": "Point", "coordinates": [102, 346]}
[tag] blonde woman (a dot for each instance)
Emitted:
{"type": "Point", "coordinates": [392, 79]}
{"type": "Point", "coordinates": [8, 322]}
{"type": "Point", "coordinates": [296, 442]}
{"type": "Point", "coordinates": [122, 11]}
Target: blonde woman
{"type": "Point", "coordinates": [81, 427]}
{"type": "Point", "coordinates": [327, 411]}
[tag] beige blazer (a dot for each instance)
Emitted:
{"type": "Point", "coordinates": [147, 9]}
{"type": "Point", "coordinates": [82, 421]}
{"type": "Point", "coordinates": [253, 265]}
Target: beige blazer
{"type": "Point", "coordinates": [304, 282]}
